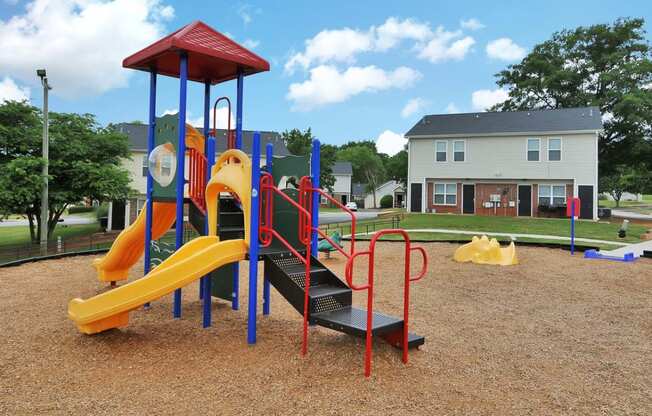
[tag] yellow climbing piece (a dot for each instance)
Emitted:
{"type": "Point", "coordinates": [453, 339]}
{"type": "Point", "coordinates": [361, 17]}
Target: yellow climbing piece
{"type": "Point", "coordinates": [484, 251]}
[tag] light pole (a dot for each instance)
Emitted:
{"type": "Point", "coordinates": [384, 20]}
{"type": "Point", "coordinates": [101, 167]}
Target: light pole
{"type": "Point", "coordinates": [46, 145]}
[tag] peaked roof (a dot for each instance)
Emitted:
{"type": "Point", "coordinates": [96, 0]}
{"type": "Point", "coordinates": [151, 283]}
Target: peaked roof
{"type": "Point", "coordinates": [212, 56]}
{"type": "Point", "coordinates": [496, 122]}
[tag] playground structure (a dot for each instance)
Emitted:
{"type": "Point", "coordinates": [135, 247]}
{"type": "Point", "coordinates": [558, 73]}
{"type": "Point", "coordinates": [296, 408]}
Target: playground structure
{"type": "Point", "coordinates": [241, 213]}
{"type": "Point", "coordinates": [484, 251]}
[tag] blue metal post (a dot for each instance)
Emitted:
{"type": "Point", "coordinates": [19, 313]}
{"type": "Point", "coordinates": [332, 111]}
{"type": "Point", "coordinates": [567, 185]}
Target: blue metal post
{"type": "Point", "coordinates": [210, 157]}
{"type": "Point", "coordinates": [269, 154]}
{"type": "Point", "coordinates": [150, 183]}
{"type": "Point", "coordinates": [314, 173]}
{"type": "Point", "coordinates": [207, 112]}
{"type": "Point", "coordinates": [253, 238]}
{"type": "Point", "coordinates": [572, 227]}
{"type": "Point", "coordinates": [235, 303]}
{"type": "Point", "coordinates": [181, 165]}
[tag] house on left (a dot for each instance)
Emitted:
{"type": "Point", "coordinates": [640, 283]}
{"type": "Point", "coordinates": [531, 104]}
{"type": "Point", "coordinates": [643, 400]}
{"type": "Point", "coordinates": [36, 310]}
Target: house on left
{"type": "Point", "coordinates": [123, 213]}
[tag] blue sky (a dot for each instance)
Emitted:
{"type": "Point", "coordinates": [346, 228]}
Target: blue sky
{"type": "Point", "coordinates": [370, 69]}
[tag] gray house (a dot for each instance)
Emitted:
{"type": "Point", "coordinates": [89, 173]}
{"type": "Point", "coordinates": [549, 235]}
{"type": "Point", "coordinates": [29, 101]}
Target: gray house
{"type": "Point", "coordinates": [521, 163]}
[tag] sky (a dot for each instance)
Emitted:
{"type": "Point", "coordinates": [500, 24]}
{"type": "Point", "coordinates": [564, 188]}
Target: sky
{"type": "Point", "coordinates": [350, 70]}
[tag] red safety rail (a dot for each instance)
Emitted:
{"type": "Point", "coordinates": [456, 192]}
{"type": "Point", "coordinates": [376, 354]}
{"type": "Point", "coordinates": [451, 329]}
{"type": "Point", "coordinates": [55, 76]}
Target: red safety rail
{"type": "Point", "coordinates": [267, 233]}
{"type": "Point", "coordinates": [197, 183]}
{"type": "Point", "coordinates": [230, 137]}
{"type": "Point", "coordinates": [369, 287]}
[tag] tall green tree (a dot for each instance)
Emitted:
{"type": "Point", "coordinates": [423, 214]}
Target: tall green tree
{"type": "Point", "coordinates": [396, 167]}
{"type": "Point", "coordinates": [367, 166]}
{"type": "Point", "coordinates": [604, 65]}
{"type": "Point", "coordinates": [299, 143]}
{"type": "Point", "coordinates": [624, 178]}
{"type": "Point", "coordinates": [85, 163]}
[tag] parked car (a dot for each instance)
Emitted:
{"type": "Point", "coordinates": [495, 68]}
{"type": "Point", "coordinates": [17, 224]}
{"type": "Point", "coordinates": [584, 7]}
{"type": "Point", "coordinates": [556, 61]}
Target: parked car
{"type": "Point", "coordinates": [352, 206]}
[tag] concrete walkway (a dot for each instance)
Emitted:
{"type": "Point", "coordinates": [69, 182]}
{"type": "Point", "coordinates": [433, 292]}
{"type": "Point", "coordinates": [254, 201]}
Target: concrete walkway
{"type": "Point", "coordinates": [637, 249]}
{"type": "Point", "coordinates": [511, 235]}
{"type": "Point", "coordinates": [630, 215]}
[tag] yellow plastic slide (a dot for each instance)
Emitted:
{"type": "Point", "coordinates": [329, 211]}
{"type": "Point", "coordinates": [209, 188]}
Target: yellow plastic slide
{"type": "Point", "coordinates": [130, 244]}
{"type": "Point", "coordinates": [485, 251]}
{"type": "Point", "coordinates": [231, 173]}
{"type": "Point", "coordinates": [194, 260]}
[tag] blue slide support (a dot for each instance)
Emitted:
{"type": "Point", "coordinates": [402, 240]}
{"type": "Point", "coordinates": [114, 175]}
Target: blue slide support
{"type": "Point", "coordinates": [235, 303]}
{"type": "Point", "coordinates": [253, 239]}
{"type": "Point", "coordinates": [314, 173]}
{"type": "Point", "coordinates": [269, 154]}
{"type": "Point", "coordinates": [181, 165]}
{"type": "Point", "coordinates": [209, 149]}
{"type": "Point", "coordinates": [150, 182]}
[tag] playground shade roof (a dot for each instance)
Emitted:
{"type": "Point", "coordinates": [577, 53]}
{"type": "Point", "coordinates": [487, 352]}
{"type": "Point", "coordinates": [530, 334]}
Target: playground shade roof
{"type": "Point", "coordinates": [212, 56]}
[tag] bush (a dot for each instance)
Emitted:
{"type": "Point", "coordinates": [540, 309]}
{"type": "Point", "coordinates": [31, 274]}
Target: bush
{"type": "Point", "coordinates": [386, 201]}
{"type": "Point", "coordinates": [79, 209]}
{"type": "Point", "coordinates": [102, 211]}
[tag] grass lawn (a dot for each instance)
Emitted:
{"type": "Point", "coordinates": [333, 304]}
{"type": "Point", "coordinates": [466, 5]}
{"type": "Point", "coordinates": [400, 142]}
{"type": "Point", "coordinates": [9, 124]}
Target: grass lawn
{"type": "Point", "coordinates": [20, 234]}
{"type": "Point", "coordinates": [558, 227]}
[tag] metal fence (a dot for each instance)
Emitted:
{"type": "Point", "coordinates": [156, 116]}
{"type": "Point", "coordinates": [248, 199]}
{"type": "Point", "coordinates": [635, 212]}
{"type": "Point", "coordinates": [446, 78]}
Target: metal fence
{"type": "Point", "coordinates": [363, 227]}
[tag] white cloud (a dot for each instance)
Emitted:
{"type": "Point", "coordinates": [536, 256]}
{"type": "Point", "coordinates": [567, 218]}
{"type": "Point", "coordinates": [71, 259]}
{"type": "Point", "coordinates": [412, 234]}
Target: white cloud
{"type": "Point", "coordinates": [244, 11]}
{"type": "Point", "coordinates": [451, 108]}
{"type": "Point", "coordinates": [483, 99]}
{"type": "Point", "coordinates": [328, 85]}
{"type": "Point", "coordinates": [81, 43]}
{"type": "Point", "coordinates": [9, 91]}
{"type": "Point", "coordinates": [505, 49]}
{"type": "Point", "coordinates": [342, 45]}
{"type": "Point", "coordinates": [390, 143]}
{"type": "Point", "coordinates": [412, 106]}
{"type": "Point", "coordinates": [250, 43]}
{"type": "Point", "coordinates": [222, 118]}
{"type": "Point", "coordinates": [471, 24]}
{"type": "Point", "coordinates": [446, 46]}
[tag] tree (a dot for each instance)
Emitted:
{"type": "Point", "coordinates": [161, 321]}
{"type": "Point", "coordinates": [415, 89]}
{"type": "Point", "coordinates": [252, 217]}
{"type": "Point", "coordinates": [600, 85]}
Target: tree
{"type": "Point", "coordinates": [604, 65]}
{"type": "Point", "coordinates": [397, 167]}
{"type": "Point", "coordinates": [299, 143]}
{"type": "Point", "coordinates": [84, 163]}
{"type": "Point", "coordinates": [367, 166]}
{"type": "Point", "coordinates": [625, 179]}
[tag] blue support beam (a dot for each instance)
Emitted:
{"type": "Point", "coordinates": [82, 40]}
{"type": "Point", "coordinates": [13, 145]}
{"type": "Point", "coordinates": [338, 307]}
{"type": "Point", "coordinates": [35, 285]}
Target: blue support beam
{"type": "Point", "coordinates": [269, 154]}
{"type": "Point", "coordinates": [235, 302]}
{"type": "Point", "coordinates": [150, 182]}
{"type": "Point", "coordinates": [314, 174]}
{"type": "Point", "coordinates": [210, 153]}
{"type": "Point", "coordinates": [253, 239]}
{"type": "Point", "coordinates": [207, 112]}
{"type": "Point", "coordinates": [181, 165]}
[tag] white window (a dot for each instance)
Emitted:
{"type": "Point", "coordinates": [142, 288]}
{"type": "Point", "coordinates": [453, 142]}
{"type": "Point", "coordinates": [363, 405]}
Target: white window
{"type": "Point", "coordinates": [140, 204]}
{"type": "Point", "coordinates": [323, 200]}
{"type": "Point", "coordinates": [533, 149]}
{"type": "Point", "coordinates": [552, 195]}
{"type": "Point", "coordinates": [445, 194]}
{"type": "Point", "coordinates": [441, 151]}
{"type": "Point", "coordinates": [145, 164]}
{"type": "Point", "coordinates": [554, 149]}
{"type": "Point", "coordinates": [459, 150]}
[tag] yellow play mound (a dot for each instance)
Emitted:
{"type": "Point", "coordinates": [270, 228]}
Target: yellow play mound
{"type": "Point", "coordinates": [484, 251]}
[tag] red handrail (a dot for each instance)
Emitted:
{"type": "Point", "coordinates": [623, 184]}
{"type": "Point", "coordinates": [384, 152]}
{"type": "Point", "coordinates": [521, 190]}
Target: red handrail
{"type": "Point", "coordinates": [267, 233]}
{"type": "Point", "coordinates": [369, 286]}
{"type": "Point", "coordinates": [197, 182]}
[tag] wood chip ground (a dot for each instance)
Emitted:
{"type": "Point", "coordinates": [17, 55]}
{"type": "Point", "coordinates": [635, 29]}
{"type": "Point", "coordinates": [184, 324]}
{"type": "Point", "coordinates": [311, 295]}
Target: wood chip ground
{"type": "Point", "coordinates": [556, 335]}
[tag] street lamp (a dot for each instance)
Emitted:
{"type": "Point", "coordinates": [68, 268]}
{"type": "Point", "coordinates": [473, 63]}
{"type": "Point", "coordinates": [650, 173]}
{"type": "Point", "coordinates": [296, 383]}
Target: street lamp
{"type": "Point", "coordinates": [44, 194]}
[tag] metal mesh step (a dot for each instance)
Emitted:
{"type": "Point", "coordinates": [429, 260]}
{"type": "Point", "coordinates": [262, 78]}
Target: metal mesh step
{"type": "Point", "coordinates": [354, 321]}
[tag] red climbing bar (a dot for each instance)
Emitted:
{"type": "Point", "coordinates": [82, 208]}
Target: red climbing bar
{"type": "Point", "coordinates": [197, 182]}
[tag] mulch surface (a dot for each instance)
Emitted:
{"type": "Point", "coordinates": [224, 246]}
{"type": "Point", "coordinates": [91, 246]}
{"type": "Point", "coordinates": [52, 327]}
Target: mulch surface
{"type": "Point", "coordinates": [555, 335]}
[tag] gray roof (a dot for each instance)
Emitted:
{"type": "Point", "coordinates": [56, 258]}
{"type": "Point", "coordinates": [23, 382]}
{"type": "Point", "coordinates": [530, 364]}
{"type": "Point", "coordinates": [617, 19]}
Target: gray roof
{"type": "Point", "coordinates": [565, 119]}
{"type": "Point", "coordinates": [342, 168]}
{"type": "Point", "coordinates": [359, 189]}
{"type": "Point", "coordinates": [137, 134]}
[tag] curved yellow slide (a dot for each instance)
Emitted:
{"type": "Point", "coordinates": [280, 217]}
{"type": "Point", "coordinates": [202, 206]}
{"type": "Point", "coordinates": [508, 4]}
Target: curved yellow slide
{"type": "Point", "coordinates": [194, 260]}
{"type": "Point", "coordinates": [130, 243]}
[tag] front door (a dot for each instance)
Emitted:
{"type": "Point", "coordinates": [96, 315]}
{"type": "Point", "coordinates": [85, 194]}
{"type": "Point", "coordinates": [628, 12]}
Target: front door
{"type": "Point", "coordinates": [585, 193]}
{"type": "Point", "coordinates": [415, 197]}
{"type": "Point", "coordinates": [468, 199]}
{"type": "Point", "coordinates": [525, 200]}
{"type": "Point", "coordinates": [343, 199]}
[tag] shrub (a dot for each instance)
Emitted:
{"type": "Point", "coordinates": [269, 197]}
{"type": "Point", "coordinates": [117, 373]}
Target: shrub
{"type": "Point", "coordinates": [102, 211]}
{"type": "Point", "coordinates": [386, 201]}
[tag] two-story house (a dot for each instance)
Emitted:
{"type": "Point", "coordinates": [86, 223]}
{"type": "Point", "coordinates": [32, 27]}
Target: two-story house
{"type": "Point", "coordinates": [342, 172]}
{"type": "Point", "coordinates": [520, 163]}
{"type": "Point", "coordinates": [123, 213]}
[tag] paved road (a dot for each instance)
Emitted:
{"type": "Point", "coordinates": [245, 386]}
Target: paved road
{"type": "Point", "coordinates": [630, 215]}
{"type": "Point", "coordinates": [71, 220]}
{"type": "Point", "coordinates": [334, 217]}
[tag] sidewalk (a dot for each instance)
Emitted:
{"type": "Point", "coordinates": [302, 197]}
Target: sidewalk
{"type": "Point", "coordinates": [637, 249]}
{"type": "Point", "coordinates": [511, 235]}
{"type": "Point", "coordinates": [630, 215]}
{"type": "Point", "coordinates": [69, 220]}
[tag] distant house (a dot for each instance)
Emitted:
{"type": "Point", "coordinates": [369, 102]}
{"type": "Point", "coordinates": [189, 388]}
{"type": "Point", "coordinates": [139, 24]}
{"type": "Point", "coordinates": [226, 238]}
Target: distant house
{"type": "Point", "coordinates": [123, 213]}
{"type": "Point", "coordinates": [392, 188]}
{"type": "Point", "coordinates": [343, 172]}
{"type": "Point", "coordinates": [521, 163]}
{"type": "Point", "coordinates": [359, 193]}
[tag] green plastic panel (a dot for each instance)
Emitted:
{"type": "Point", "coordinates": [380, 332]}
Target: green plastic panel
{"type": "Point", "coordinates": [167, 132]}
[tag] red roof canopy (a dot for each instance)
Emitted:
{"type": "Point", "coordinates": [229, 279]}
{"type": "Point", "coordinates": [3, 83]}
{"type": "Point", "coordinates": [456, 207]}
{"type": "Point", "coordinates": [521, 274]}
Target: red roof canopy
{"type": "Point", "coordinates": [211, 55]}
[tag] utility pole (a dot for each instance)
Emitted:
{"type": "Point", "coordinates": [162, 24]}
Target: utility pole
{"type": "Point", "coordinates": [46, 146]}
